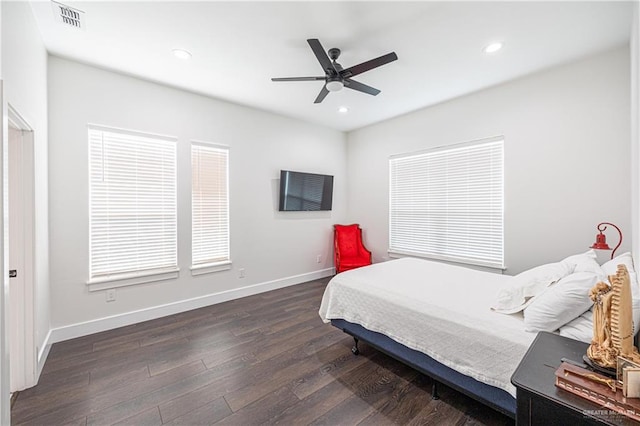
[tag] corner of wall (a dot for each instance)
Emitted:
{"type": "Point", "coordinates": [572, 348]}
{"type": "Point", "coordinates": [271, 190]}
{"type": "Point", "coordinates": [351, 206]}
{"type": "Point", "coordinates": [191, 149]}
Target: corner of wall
{"type": "Point", "coordinates": [634, 53]}
{"type": "Point", "coordinates": [42, 354]}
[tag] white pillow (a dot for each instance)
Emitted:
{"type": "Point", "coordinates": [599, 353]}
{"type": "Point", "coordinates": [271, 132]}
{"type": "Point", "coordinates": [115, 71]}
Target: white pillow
{"type": "Point", "coordinates": [517, 294]}
{"type": "Point", "coordinates": [611, 267]}
{"type": "Point", "coordinates": [580, 328]}
{"type": "Point", "coordinates": [560, 302]}
{"type": "Point", "coordinates": [527, 284]}
{"type": "Point", "coordinates": [581, 259]}
{"type": "Point", "coordinates": [586, 262]}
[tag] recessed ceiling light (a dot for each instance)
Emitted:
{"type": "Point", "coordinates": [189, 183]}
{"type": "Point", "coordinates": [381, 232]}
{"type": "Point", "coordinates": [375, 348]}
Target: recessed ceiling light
{"type": "Point", "coordinates": [343, 110]}
{"type": "Point", "coordinates": [493, 47]}
{"type": "Point", "coordinates": [181, 53]}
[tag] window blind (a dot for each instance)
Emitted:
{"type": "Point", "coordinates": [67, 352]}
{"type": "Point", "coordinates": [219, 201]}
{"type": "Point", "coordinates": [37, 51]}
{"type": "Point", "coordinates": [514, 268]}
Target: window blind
{"type": "Point", "coordinates": [209, 204]}
{"type": "Point", "coordinates": [448, 203]}
{"type": "Point", "coordinates": [132, 203]}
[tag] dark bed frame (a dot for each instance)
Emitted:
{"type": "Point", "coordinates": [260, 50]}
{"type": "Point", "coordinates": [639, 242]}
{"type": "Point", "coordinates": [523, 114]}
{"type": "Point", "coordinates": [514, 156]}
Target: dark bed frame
{"type": "Point", "coordinates": [491, 396]}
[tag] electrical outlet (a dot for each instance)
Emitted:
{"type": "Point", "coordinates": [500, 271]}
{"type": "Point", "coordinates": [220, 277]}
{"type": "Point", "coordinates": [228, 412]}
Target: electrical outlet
{"type": "Point", "coordinates": [319, 258]}
{"type": "Point", "coordinates": [111, 295]}
{"type": "Point", "coordinates": [241, 272]}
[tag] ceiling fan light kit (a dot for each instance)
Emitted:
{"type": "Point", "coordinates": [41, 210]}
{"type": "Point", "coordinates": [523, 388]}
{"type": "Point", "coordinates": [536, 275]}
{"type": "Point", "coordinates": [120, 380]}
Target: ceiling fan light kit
{"type": "Point", "coordinates": [334, 85]}
{"type": "Point", "coordinates": [336, 77]}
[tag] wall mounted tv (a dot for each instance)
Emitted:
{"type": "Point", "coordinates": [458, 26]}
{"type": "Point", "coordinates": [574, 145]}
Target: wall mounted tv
{"type": "Point", "coordinates": [305, 191]}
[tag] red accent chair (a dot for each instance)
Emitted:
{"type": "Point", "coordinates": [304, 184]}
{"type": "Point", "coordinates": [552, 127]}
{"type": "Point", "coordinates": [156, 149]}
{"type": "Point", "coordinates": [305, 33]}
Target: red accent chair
{"type": "Point", "coordinates": [349, 251]}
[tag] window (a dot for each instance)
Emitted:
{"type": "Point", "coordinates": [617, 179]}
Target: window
{"type": "Point", "coordinates": [447, 203]}
{"type": "Point", "coordinates": [209, 207]}
{"type": "Point", "coordinates": [132, 204]}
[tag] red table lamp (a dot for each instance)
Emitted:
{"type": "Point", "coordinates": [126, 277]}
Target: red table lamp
{"type": "Point", "coordinates": [601, 239]}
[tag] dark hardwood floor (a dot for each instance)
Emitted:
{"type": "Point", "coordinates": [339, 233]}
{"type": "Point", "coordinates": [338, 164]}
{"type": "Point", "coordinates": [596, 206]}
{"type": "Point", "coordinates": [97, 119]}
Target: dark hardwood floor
{"type": "Point", "coordinates": [261, 359]}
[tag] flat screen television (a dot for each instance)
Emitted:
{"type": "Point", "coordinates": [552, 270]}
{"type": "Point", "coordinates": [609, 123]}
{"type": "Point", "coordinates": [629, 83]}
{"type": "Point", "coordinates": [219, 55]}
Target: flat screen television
{"type": "Point", "coordinates": [305, 191]}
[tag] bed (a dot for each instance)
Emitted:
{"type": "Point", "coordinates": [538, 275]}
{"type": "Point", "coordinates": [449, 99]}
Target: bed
{"type": "Point", "coordinates": [438, 318]}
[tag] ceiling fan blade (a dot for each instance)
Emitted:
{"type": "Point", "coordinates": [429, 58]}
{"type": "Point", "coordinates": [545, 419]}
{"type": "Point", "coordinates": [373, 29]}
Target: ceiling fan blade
{"type": "Point", "coordinates": [323, 94]}
{"type": "Point", "coordinates": [369, 65]}
{"type": "Point", "coordinates": [298, 79]}
{"type": "Point", "coordinates": [321, 54]}
{"type": "Point", "coordinates": [355, 85]}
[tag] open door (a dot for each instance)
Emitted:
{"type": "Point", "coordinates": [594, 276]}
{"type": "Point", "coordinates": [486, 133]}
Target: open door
{"type": "Point", "coordinates": [21, 280]}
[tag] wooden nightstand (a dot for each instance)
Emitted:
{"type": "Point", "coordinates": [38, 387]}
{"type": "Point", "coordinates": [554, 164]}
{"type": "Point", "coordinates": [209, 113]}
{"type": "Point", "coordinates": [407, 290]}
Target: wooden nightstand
{"type": "Point", "coordinates": [540, 402]}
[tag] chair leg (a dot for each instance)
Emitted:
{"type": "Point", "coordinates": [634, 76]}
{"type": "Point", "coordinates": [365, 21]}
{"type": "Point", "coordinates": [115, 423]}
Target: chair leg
{"type": "Point", "coordinates": [355, 349]}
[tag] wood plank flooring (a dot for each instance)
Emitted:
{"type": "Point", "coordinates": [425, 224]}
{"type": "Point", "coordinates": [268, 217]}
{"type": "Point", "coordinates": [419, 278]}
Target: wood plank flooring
{"type": "Point", "coordinates": [262, 359]}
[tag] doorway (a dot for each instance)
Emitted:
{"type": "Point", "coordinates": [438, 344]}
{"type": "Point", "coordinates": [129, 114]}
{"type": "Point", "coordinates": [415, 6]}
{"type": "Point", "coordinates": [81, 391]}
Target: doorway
{"type": "Point", "coordinates": [22, 348]}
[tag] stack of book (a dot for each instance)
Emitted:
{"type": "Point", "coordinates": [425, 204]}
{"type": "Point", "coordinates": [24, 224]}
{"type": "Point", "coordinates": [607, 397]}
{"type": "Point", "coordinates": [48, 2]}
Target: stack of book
{"type": "Point", "coordinates": [605, 391]}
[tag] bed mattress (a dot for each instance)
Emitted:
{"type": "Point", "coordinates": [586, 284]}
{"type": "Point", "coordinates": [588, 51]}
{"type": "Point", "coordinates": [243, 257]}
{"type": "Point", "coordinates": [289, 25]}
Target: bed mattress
{"type": "Point", "coordinates": [439, 309]}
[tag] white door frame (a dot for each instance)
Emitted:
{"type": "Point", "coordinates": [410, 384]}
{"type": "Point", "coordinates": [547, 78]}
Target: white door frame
{"type": "Point", "coordinates": [22, 344]}
{"type": "Point", "coordinates": [5, 404]}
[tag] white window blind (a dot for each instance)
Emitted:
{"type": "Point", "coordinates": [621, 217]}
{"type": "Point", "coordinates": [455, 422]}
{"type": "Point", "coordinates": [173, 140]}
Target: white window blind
{"type": "Point", "coordinates": [209, 204]}
{"type": "Point", "coordinates": [132, 203]}
{"type": "Point", "coordinates": [447, 203]}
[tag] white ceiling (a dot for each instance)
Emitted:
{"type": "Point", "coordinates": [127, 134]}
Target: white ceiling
{"type": "Point", "coordinates": [238, 46]}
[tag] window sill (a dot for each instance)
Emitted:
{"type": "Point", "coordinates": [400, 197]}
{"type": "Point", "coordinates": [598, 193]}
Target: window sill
{"type": "Point", "coordinates": [489, 267]}
{"type": "Point", "coordinates": [115, 281]}
{"type": "Point", "coordinates": [210, 268]}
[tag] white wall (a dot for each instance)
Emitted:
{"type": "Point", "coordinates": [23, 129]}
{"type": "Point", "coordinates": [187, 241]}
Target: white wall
{"type": "Point", "coordinates": [24, 70]}
{"type": "Point", "coordinates": [270, 245]}
{"type": "Point", "coordinates": [635, 131]}
{"type": "Point", "coordinates": [567, 168]}
{"type": "Point", "coordinates": [5, 406]}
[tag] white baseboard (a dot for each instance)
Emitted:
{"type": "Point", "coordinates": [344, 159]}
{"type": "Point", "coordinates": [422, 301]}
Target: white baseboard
{"type": "Point", "coordinates": [108, 323]}
{"type": "Point", "coordinates": [43, 353]}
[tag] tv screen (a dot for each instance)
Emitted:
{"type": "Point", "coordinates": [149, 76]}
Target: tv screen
{"type": "Point", "coordinates": [305, 191]}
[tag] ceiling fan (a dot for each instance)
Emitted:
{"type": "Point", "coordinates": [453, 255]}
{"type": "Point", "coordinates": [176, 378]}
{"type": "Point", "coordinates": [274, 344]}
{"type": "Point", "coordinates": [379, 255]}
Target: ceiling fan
{"type": "Point", "coordinates": [336, 77]}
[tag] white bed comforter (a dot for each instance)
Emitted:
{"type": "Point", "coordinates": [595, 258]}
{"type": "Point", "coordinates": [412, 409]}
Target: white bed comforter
{"type": "Point", "coordinates": [438, 309]}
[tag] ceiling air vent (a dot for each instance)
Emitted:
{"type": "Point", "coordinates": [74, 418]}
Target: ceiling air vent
{"type": "Point", "coordinates": [68, 15]}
